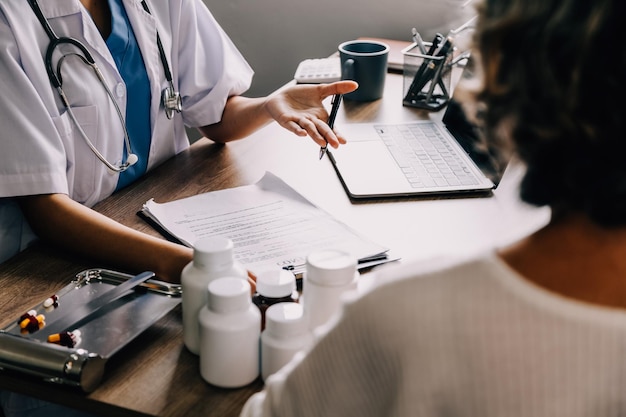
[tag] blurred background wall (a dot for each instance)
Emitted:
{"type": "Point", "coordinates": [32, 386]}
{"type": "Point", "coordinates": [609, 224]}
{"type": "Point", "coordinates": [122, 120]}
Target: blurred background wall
{"type": "Point", "coordinates": [275, 35]}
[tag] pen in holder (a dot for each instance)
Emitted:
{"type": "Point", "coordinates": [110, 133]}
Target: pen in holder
{"type": "Point", "coordinates": [426, 72]}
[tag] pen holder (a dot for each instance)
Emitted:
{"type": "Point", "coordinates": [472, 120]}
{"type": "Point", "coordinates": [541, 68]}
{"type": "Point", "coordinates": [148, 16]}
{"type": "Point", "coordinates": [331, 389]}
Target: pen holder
{"type": "Point", "coordinates": [426, 78]}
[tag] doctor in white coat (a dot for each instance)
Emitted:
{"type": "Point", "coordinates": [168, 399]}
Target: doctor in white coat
{"type": "Point", "coordinates": [59, 158]}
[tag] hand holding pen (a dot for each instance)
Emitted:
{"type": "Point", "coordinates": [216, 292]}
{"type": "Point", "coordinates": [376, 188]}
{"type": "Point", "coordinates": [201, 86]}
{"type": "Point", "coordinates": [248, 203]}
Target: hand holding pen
{"type": "Point", "coordinates": [336, 101]}
{"type": "Point", "coordinates": [303, 110]}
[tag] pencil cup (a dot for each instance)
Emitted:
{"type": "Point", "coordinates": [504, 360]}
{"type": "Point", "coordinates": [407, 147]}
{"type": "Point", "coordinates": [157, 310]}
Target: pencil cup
{"type": "Point", "coordinates": [426, 78]}
{"type": "Point", "coordinates": [366, 63]}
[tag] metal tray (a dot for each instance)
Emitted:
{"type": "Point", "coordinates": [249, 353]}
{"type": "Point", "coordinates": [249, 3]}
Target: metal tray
{"type": "Point", "coordinates": [116, 324]}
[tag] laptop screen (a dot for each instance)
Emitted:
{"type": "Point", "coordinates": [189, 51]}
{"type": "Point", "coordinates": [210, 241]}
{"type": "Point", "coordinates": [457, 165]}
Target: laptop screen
{"type": "Point", "coordinates": [486, 156]}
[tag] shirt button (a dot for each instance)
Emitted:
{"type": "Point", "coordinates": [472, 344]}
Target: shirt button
{"type": "Point", "coordinates": [120, 90]}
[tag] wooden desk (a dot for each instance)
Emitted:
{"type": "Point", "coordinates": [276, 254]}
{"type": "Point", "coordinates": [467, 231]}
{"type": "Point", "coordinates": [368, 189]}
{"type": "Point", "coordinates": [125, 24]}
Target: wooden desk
{"type": "Point", "coordinates": [156, 375]}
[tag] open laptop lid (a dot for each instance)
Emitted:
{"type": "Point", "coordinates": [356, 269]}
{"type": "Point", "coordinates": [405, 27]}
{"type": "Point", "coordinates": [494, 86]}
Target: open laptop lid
{"type": "Point", "coordinates": [487, 156]}
{"type": "Point", "coordinates": [368, 170]}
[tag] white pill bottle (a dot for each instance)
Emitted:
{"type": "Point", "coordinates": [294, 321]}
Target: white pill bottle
{"type": "Point", "coordinates": [328, 274]}
{"type": "Point", "coordinates": [230, 331]}
{"type": "Point", "coordinates": [212, 259]}
{"type": "Point", "coordinates": [286, 333]}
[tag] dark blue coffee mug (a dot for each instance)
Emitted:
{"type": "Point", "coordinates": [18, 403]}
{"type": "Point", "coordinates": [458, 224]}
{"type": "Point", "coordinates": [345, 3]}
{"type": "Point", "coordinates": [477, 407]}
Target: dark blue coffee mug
{"type": "Point", "coordinates": [365, 62]}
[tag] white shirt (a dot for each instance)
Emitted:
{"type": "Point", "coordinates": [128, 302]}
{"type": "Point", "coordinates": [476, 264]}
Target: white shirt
{"type": "Point", "coordinates": [42, 152]}
{"type": "Point", "coordinates": [468, 338]}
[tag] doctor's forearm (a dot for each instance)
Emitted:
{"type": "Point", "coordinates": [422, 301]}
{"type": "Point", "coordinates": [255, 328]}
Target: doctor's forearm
{"type": "Point", "coordinates": [59, 220]}
{"type": "Point", "coordinates": [242, 116]}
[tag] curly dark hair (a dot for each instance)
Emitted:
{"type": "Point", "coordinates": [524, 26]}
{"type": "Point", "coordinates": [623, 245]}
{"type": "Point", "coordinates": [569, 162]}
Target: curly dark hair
{"type": "Point", "coordinates": [553, 80]}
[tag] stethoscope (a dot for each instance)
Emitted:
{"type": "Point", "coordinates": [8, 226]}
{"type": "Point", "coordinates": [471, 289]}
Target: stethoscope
{"type": "Point", "coordinates": [170, 97]}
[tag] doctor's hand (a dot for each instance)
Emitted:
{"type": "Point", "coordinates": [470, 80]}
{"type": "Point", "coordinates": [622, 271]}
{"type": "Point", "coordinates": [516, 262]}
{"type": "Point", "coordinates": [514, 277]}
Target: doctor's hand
{"type": "Point", "coordinates": [299, 109]}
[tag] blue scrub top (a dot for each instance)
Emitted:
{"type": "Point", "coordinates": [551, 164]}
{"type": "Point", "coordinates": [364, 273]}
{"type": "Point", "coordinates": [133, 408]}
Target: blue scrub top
{"type": "Point", "coordinates": [125, 51]}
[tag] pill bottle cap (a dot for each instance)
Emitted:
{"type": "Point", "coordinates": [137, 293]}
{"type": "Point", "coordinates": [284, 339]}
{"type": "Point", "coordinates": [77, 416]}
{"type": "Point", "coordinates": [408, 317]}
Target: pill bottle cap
{"type": "Point", "coordinates": [275, 283]}
{"type": "Point", "coordinates": [229, 294]}
{"type": "Point", "coordinates": [331, 267]}
{"type": "Point", "coordinates": [285, 319]}
{"type": "Point", "coordinates": [213, 253]}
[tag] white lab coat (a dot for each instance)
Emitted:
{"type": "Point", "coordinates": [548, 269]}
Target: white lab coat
{"type": "Point", "coordinates": [41, 151]}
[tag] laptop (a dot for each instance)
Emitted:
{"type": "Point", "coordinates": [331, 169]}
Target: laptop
{"type": "Point", "coordinates": [446, 157]}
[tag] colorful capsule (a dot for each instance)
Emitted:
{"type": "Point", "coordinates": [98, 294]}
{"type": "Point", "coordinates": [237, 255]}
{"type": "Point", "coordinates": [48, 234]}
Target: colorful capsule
{"type": "Point", "coordinates": [29, 313]}
{"type": "Point", "coordinates": [51, 301]}
{"type": "Point", "coordinates": [67, 339]}
{"type": "Point", "coordinates": [32, 323]}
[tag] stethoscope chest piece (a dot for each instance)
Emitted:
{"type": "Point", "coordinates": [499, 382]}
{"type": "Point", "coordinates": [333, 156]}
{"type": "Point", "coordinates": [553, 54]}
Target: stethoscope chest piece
{"type": "Point", "coordinates": [171, 101]}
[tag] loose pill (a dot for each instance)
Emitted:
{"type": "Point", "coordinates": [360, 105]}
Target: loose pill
{"type": "Point", "coordinates": [67, 339]}
{"type": "Point", "coordinates": [50, 301]}
{"type": "Point", "coordinates": [28, 321]}
{"type": "Point", "coordinates": [33, 323]}
{"type": "Point", "coordinates": [30, 313]}
{"type": "Point", "coordinates": [54, 338]}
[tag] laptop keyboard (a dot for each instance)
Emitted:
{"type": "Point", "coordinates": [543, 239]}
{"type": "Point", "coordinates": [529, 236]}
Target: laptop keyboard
{"type": "Point", "coordinates": [425, 156]}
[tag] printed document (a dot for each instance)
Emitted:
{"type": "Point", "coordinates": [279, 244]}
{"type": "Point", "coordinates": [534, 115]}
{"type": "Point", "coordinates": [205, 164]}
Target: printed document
{"type": "Point", "coordinates": [271, 225]}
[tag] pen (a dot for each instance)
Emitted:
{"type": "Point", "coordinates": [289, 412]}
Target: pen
{"type": "Point", "coordinates": [331, 119]}
{"type": "Point", "coordinates": [413, 89]}
{"type": "Point", "coordinates": [417, 39]}
{"type": "Point", "coordinates": [432, 67]}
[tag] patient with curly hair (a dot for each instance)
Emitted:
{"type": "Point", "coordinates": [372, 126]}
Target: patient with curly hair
{"type": "Point", "coordinates": [534, 329]}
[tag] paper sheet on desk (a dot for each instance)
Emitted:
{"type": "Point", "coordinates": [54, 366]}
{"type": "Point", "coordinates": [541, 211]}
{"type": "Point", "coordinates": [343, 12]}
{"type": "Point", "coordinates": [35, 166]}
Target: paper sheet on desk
{"type": "Point", "coordinates": [270, 224]}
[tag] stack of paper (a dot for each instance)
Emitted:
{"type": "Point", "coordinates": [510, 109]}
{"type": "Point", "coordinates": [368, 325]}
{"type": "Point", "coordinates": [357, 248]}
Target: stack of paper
{"type": "Point", "coordinates": [270, 224]}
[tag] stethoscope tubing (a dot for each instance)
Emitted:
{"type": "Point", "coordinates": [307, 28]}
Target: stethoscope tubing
{"type": "Point", "coordinates": [171, 98]}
